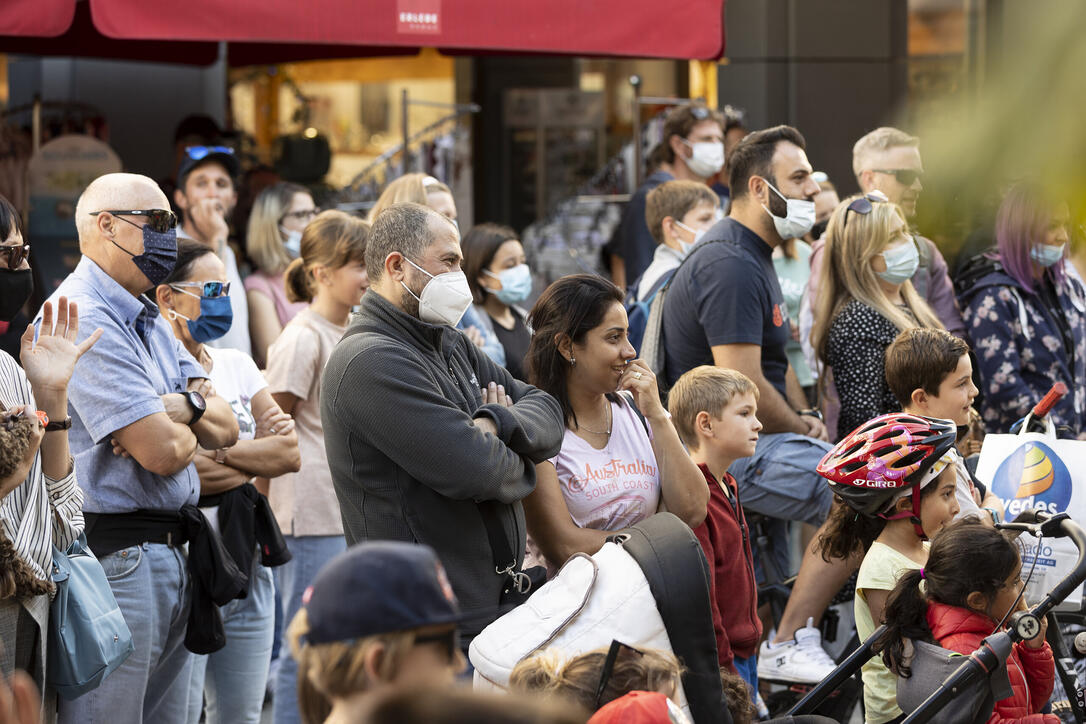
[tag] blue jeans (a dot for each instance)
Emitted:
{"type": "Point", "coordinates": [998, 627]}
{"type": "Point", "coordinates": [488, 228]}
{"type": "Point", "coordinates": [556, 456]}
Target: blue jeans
{"type": "Point", "coordinates": [310, 554]}
{"type": "Point", "coordinates": [779, 481]}
{"type": "Point", "coordinates": [748, 670]}
{"type": "Point", "coordinates": [234, 678]}
{"type": "Point", "coordinates": [150, 583]}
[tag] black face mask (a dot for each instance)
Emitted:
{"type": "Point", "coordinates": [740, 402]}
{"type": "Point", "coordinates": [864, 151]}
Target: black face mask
{"type": "Point", "coordinates": [16, 286]}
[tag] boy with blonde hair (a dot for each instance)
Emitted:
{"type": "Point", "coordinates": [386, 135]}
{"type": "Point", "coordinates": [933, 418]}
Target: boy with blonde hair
{"type": "Point", "coordinates": [715, 412]}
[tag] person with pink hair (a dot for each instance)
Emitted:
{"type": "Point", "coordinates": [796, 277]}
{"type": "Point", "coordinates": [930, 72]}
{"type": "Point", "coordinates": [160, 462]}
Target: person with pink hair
{"type": "Point", "coordinates": [1025, 313]}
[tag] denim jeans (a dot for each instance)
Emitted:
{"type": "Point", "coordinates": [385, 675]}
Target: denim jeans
{"type": "Point", "coordinates": [310, 553]}
{"type": "Point", "coordinates": [233, 679]}
{"type": "Point", "coordinates": [779, 481]}
{"type": "Point", "coordinates": [150, 583]}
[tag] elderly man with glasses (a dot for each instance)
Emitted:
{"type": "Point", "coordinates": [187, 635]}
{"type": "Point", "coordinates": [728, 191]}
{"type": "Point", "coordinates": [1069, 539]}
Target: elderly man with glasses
{"type": "Point", "coordinates": [206, 196]}
{"type": "Point", "coordinates": [140, 407]}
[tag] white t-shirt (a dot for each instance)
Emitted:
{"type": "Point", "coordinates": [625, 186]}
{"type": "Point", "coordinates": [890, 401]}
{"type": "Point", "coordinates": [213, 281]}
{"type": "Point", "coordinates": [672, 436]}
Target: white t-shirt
{"type": "Point", "coordinates": [963, 491]}
{"type": "Point", "coordinates": [664, 260]}
{"type": "Point", "coordinates": [615, 487]}
{"type": "Point", "coordinates": [237, 380]}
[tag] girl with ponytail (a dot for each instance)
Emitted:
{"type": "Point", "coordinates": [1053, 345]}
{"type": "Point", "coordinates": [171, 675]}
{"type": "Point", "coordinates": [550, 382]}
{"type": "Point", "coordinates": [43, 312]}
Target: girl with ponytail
{"type": "Point", "coordinates": [970, 582]}
{"type": "Point", "coordinates": [331, 276]}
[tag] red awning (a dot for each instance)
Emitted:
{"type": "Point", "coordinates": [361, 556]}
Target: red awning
{"type": "Point", "coordinates": [688, 29]}
{"type": "Point", "coordinates": [274, 30]}
{"type": "Point", "coordinates": [35, 18]}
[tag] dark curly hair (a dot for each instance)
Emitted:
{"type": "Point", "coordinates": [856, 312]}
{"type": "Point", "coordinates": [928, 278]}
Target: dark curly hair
{"type": "Point", "coordinates": [17, 580]}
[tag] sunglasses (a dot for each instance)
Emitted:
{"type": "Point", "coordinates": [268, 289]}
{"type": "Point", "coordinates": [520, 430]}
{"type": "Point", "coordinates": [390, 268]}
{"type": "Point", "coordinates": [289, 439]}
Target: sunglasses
{"type": "Point", "coordinates": [617, 647]}
{"type": "Point", "coordinates": [208, 289]}
{"type": "Point", "coordinates": [864, 204]}
{"type": "Point", "coordinates": [303, 215]}
{"type": "Point", "coordinates": [904, 176]}
{"type": "Point", "coordinates": [15, 254]}
{"type": "Point", "coordinates": [450, 640]}
{"type": "Point", "coordinates": [198, 152]}
{"type": "Point", "coordinates": [160, 220]}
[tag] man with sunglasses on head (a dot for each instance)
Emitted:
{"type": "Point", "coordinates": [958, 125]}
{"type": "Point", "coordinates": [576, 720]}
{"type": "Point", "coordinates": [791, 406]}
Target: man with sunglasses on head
{"type": "Point", "coordinates": [888, 160]}
{"type": "Point", "coordinates": [725, 307]}
{"type": "Point", "coordinates": [206, 196]}
{"type": "Point", "coordinates": [692, 150]}
{"type": "Point", "coordinates": [140, 407]}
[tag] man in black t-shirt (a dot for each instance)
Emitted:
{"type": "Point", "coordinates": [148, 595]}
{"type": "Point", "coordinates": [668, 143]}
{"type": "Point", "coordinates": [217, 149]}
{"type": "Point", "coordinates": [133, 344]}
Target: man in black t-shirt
{"type": "Point", "coordinates": [725, 307]}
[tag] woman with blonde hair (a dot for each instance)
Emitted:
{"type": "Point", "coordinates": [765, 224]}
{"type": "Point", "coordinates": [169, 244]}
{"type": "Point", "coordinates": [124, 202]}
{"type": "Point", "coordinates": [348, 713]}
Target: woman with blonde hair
{"type": "Point", "coordinates": [419, 188]}
{"type": "Point", "coordinates": [865, 300]}
{"type": "Point", "coordinates": [280, 214]}
{"type": "Point", "coordinates": [331, 276]}
{"type": "Point", "coordinates": [381, 614]}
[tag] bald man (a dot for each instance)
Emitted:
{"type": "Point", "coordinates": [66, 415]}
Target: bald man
{"type": "Point", "coordinates": [140, 406]}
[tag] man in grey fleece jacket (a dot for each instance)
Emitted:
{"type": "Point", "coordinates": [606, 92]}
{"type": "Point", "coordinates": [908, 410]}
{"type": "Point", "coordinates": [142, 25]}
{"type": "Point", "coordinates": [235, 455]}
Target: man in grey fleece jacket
{"type": "Point", "coordinates": [414, 445]}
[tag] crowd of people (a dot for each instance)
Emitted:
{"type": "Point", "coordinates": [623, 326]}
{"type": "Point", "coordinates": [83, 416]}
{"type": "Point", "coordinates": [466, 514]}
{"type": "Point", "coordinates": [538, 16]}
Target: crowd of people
{"type": "Point", "coordinates": [395, 439]}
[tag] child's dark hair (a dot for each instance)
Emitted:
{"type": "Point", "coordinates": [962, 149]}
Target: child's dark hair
{"type": "Point", "coordinates": [920, 359]}
{"type": "Point", "coordinates": [967, 556]}
{"type": "Point", "coordinates": [847, 531]}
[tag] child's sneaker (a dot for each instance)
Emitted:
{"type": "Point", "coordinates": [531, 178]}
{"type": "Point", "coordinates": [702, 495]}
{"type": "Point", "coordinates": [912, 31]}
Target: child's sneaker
{"type": "Point", "coordinates": [802, 660]}
{"type": "Point", "coordinates": [760, 707]}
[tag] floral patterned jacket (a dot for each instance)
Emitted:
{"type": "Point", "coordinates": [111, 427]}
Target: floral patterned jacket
{"type": "Point", "coordinates": [1020, 350]}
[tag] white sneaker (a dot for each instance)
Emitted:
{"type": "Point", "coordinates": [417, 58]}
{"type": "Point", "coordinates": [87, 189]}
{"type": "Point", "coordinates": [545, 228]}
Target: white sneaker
{"type": "Point", "coordinates": [802, 660]}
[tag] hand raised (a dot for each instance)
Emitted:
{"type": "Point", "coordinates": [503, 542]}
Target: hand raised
{"type": "Point", "coordinates": [50, 363]}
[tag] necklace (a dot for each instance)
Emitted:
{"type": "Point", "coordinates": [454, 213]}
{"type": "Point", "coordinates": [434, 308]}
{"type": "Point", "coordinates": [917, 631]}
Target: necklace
{"type": "Point", "coordinates": [599, 432]}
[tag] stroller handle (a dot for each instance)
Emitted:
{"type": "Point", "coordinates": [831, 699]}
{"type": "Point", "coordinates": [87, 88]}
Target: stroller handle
{"type": "Point", "coordinates": [995, 649]}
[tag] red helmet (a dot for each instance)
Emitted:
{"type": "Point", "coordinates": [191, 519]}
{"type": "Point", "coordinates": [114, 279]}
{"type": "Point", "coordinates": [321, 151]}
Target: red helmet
{"type": "Point", "coordinates": [871, 467]}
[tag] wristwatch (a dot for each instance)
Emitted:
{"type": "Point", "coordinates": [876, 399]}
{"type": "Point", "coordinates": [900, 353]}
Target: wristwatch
{"type": "Point", "coordinates": [220, 455]}
{"type": "Point", "coordinates": [53, 425]}
{"type": "Point", "coordinates": [813, 412]}
{"type": "Point", "coordinates": [198, 405]}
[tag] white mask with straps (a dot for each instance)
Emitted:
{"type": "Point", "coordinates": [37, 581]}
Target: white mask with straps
{"type": "Point", "coordinates": [445, 297]}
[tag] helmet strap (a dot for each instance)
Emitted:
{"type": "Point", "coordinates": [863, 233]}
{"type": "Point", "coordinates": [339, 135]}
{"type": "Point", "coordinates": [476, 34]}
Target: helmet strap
{"type": "Point", "coordinates": [913, 515]}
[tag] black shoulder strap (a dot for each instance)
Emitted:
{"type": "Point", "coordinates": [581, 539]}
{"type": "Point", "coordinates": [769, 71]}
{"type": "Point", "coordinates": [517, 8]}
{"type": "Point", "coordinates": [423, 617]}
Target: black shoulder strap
{"type": "Point", "coordinates": [505, 561]}
{"type": "Point", "coordinates": [628, 398]}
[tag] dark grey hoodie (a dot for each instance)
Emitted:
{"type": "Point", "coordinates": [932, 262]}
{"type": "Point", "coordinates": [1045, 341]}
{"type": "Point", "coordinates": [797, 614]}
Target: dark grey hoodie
{"type": "Point", "coordinates": [397, 402]}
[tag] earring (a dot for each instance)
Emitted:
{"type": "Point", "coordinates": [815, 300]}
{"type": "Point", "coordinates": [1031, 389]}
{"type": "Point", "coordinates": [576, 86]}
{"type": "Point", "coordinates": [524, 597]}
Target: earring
{"type": "Point", "coordinates": [572, 361]}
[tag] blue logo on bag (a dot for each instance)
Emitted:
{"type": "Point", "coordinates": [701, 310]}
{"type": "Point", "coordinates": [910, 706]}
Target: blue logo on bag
{"type": "Point", "coordinates": [1033, 478]}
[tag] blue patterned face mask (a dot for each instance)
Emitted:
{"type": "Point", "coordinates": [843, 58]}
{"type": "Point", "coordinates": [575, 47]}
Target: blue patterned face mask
{"type": "Point", "coordinates": [901, 263]}
{"type": "Point", "coordinates": [1045, 254]}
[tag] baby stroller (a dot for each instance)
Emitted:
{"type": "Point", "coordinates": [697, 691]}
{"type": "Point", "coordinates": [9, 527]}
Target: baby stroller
{"type": "Point", "coordinates": [647, 587]}
{"type": "Point", "coordinates": [967, 693]}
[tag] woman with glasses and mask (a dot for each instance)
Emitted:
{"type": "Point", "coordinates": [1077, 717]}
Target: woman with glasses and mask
{"type": "Point", "coordinates": [195, 300]}
{"type": "Point", "coordinates": [41, 505]}
{"type": "Point", "coordinates": [1025, 313]}
{"type": "Point", "coordinates": [865, 300]}
{"type": "Point", "coordinates": [500, 281]}
{"type": "Point", "coordinates": [274, 239]}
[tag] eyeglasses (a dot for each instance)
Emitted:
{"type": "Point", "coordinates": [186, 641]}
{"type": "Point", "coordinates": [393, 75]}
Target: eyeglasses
{"type": "Point", "coordinates": [904, 176]}
{"type": "Point", "coordinates": [160, 220]}
{"type": "Point", "coordinates": [15, 254]}
{"type": "Point", "coordinates": [209, 289]}
{"type": "Point", "coordinates": [609, 666]}
{"type": "Point", "coordinates": [303, 215]}
{"type": "Point", "coordinates": [198, 152]}
{"type": "Point", "coordinates": [450, 639]}
{"type": "Point", "coordinates": [864, 204]}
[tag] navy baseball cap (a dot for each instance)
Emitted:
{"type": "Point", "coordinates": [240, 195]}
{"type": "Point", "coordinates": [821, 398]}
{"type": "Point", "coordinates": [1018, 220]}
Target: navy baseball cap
{"type": "Point", "coordinates": [378, 587]}
{"type": "Point", "coordinates": [199, 155]}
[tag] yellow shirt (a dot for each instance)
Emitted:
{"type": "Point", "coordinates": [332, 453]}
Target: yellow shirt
{"type": "Point", "coordinates": [881, 568]}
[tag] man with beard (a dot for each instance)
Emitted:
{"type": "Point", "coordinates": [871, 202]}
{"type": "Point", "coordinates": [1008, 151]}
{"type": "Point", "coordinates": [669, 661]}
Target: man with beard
{"type": "Point", "coordinates": [428, 440]}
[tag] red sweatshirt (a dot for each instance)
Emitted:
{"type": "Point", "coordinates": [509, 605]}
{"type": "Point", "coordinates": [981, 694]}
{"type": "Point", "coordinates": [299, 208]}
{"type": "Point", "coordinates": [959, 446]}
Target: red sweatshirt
{"type": "Point", "coordinates": [725, 539]}
{"type": "Point", "coordinates": [1032, 671]}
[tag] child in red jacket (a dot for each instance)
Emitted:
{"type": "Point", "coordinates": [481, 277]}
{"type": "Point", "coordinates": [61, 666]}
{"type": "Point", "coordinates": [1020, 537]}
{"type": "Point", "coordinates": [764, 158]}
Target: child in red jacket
{"type": "Point", "coordinates": [971, 582]}
{"type": "Point", "coordinates": [715, 413]}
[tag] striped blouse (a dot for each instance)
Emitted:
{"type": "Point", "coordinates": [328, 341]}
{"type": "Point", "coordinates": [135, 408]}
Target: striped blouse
{"type": "Point", "coordinates": [27, 511]}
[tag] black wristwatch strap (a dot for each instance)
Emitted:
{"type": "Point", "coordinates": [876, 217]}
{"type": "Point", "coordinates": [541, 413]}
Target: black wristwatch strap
{"type": "Point", "coordinates": [197, 410]}
{"type": "Point", "coordinates": [64, 424]}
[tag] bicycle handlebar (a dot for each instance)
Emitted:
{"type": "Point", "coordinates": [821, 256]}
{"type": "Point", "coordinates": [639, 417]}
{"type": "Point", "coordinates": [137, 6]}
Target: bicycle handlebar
{"type": "Point", "coordinates": [1046, 403]}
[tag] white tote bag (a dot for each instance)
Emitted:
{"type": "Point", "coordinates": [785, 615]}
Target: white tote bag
{"type": "Point", "coordinates": [1036, 471]}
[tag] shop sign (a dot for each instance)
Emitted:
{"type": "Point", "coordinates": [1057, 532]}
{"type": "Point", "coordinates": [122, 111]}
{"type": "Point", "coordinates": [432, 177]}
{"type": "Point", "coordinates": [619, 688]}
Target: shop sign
{"type": "Point", "coordinates": [418, 16]}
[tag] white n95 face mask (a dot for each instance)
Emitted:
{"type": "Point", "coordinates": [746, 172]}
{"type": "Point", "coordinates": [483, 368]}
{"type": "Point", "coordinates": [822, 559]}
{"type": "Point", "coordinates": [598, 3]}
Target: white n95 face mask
{"type": "Point", "coordinates": [445, 297]}
{"type": "Point", "coordinates": [706, 158]}
{"type": "Point", "coordinates": [798, 219]}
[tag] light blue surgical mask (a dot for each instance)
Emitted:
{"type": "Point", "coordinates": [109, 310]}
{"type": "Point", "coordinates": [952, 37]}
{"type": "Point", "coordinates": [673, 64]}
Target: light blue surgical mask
{"type": "Point", "coordinates": [292, 242]}
{"type": "Point", "coordinates": [901, 263]}
{"type": "Point", "coordinates": [1045, 254]}
{"type": "Point", "coordinates": [516, 284]}
{"type": "Point", "coordinates": [686, 246]}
